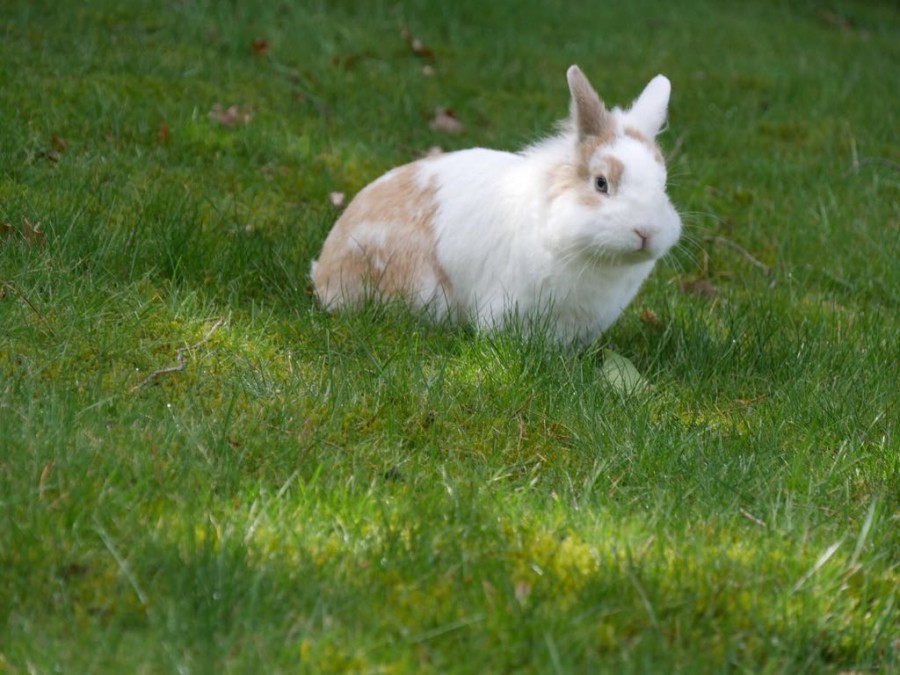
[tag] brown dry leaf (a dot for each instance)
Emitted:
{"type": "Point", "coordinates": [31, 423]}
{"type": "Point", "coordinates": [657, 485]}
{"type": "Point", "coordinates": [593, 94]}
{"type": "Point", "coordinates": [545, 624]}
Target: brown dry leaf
{"type": "Point", "coordinates": [648, 316]}
{"type": "Point", "coordinates": [229, 118]}
{"type": "Point", "coordinates": [446, 121]}
{"type": "Point", "coordinates": [59, 143]}
{"type": "Point", "coordinates": [6, 230]}
{"type": "Point", "coordinates": [73, 570]}
{"type": "Point", "coordinates": [260, 47]}
{"type": "Point", "coordinates": [417, 46]}
{"type": "Point", "coordinates": [163, 133]}
{"type": "Point", "coordinates": [350, 61]}
{"type": "Point", "coordinates": [699, 287]}
{"type": "Point", "coordinates": [32, 233]}
{"type": "Point", "coordinates": [336, 199]}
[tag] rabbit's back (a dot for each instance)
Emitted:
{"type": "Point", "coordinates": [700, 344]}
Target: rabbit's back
{"type": "Point", "coordinates": [384, 244]}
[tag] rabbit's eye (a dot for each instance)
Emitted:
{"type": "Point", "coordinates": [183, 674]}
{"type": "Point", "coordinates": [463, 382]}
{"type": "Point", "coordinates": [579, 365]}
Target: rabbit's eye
{"type": "Point", "coordinates": [602, 185]}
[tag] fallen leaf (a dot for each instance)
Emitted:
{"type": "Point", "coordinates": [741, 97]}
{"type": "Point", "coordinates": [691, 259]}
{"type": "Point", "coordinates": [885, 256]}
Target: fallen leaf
{"type": "Point", "coordinates": [32, 233]}
{"type": "Point", "coordinates": [59, 144]}
{"type": "Point", "coordinates": [415, 44]}
{"type": "Point", "coordinates": [621, 373]}
{"type": "Point", "coordinates": [445, 121]}
{"type": "Point", "coordinates": [163, 133]}
{"type": "Point", "coordinates": [648, 316]}
{"type": "Point", "coordinates": [349, 61]}
{"type": "Point", "coordinates": [336, 199]}
{"type": "Point", "coordinates": [230, 117]}
{"type": "Point", "coordinates": [699, 287]}
{"type": "Point", "coordinates": [259, 47]}
{"type": "Point", "coordinates": [73, 571]}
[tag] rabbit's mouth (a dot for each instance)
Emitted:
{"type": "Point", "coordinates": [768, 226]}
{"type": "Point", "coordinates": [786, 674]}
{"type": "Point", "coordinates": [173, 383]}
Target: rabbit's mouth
{"type": "Point", "coordinates": [609, 254]}
{"type": "Point", "coordinates": [636, 256]}
{"type": "Point", "coordinates": [640, 247]}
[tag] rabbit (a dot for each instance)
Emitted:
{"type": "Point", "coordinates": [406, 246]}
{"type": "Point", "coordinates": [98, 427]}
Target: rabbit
{"type": "Point", "coordinates": [569, 227]}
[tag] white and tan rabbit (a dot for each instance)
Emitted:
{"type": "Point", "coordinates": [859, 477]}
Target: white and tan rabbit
{"type": "Point", "coordinates": [569, 227]}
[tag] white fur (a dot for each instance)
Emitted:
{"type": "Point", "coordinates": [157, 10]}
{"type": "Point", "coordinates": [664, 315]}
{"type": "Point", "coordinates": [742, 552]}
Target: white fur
{"type": "Point", "coordinates": [648, 112]}
{"type": "Point", "coordinates": [508, 244]}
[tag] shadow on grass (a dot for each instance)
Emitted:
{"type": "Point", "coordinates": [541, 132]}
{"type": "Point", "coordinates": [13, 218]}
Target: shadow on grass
{"type": "Point", "coordinates": [371, 583]}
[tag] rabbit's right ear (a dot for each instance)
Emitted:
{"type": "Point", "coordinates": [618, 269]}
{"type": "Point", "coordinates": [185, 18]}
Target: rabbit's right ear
{"type": "Point", "coordinates": [648, 112]}
{"type": "Point", "coordinates": [589, 116]}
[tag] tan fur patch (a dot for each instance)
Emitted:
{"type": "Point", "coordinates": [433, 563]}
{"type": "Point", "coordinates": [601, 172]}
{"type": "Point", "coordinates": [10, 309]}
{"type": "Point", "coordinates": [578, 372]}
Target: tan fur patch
{"type": "Point", "coordinates": [589, 145]}
{"type": "Point", "coordinates": [571, 179]}
{"type": "Point", "coordinates": [383, 242]}
{"type": "Point", "coordinates": [614, 173]}
{"type": "Point", "coordinates": [631, 132]}
{"type": "Point", "coordinates": [587, 110]}
{"type": "Point", "coordinates": [576, 179]}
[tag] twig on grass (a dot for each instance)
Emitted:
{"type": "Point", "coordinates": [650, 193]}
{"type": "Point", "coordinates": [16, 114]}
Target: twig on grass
{"type": "Point", "coordinates": [753, 519]}
{"type": "Point", "coordinates": [744, 253]}
{"type": "Point", "coordinates": [179, 358]}
{"type": "Point", "coordinates": [28, 302]}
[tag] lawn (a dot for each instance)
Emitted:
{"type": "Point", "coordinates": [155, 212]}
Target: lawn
{"type": "Point", "coordinates": [202, 471]}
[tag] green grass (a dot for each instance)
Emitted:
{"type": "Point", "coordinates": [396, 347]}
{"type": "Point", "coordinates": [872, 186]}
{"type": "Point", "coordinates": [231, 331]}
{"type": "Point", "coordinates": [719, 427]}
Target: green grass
{"type": "Point", "coordinates": [372, 493]}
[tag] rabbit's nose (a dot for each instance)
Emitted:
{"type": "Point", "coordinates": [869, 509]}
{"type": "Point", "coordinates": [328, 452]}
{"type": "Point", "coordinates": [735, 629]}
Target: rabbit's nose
{"type": "Point", "coordinates": [644, 237]}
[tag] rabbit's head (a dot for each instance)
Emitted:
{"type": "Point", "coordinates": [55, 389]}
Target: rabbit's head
{"type": "Point", "coordinates": [608, 199]}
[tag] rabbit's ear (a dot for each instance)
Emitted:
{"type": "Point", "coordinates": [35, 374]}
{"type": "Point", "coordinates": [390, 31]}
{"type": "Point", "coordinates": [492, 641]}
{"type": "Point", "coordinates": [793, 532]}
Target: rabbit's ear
{"type": "Point", "coordinates": [589, 116]}
{"type": "Point", "coordinates": [648, 112]}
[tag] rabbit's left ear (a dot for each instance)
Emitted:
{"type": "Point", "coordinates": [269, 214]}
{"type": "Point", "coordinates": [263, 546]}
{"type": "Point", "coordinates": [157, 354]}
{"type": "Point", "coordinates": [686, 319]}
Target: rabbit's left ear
{"type": "Point", "coordinates": [648, 112]}
{"type": "Point", "coordinates": [589, 116]}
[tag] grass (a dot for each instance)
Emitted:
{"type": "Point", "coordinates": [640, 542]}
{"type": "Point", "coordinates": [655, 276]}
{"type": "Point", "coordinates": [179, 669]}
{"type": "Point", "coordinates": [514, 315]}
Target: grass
{"type": "Point", "coordinates": [372, 493]}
